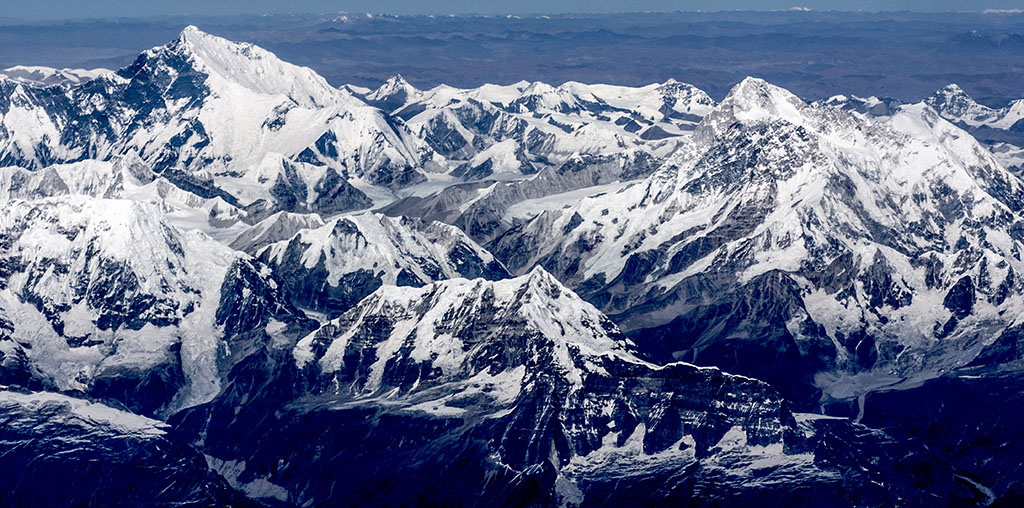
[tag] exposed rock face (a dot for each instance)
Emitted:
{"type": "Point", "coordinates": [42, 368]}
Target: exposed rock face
{"type": "Point", "coordinates": [100, 456]}
{"type": "Point", "coordinates": [959, 418]}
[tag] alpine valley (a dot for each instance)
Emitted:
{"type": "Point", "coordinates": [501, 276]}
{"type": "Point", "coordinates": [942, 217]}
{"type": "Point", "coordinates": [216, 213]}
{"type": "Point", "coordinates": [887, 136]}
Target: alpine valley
{"type": "Point", "coordinates": [225, 282]}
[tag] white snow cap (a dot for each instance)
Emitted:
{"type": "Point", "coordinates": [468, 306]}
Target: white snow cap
{"type": "Point", "coordinates": [425, 317]}
{"type": "Point", "coordinates": [755, 100]}
{"type": "Point", "coordinates": [254, 68]}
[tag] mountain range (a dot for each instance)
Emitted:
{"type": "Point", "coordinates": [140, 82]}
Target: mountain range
{"type": "Point", "coordinates": [225, 282]}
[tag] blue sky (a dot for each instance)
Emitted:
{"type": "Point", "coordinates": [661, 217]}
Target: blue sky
{"type": "Point", "coordinates": [63, 9]}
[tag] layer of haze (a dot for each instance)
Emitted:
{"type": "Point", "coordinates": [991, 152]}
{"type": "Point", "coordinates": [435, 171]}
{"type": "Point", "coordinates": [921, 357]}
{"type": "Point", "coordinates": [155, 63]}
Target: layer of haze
{"type": "Point", "coordinates": [73, 9]}
{"type": "Point", "coordinates": [905, 55]}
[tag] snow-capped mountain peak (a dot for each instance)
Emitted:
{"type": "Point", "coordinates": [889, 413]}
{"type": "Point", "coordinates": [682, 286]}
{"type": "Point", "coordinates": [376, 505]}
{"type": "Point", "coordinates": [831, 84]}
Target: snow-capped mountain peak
{"type": "Point", "coordinates": [754, 100]}
{"type": "Point", "coordinates": [954, 104]}
{"type": "Point", "coordinates": [218, 118]}
{"type": "Point", "coordinates": [569, 97]}
{"type": "Point", "coordinates": [329, 268]}
{"type": "Point", "coordinates": [952, 90]}
{"type": "Point", "coordinates": [953, 101]}
{"type": "Point", "coordinates": [461, 327]}
{"type": "Point", "coordinates": [394, 85]}
{"type": "Point", "coordinates": [538, 88]}
{"type": "Point", "coordinates": [394, 94]}
{"type": "Point", "coordinates": [103, 287]}
{"type": "Point", "coordinates": [251, 67]}
{"type": "Point", "coordinates": [682, 95]}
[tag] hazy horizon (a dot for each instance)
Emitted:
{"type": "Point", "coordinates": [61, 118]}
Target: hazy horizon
{"type": "Point", "coordinates": [70, 10]}
{"type": "Point", "coordinates": [816, 55]}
